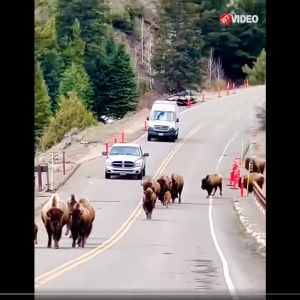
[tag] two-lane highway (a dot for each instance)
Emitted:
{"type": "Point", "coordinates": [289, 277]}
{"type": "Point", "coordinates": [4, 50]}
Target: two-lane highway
{"type": "Point", "coordinates": [193, 246]}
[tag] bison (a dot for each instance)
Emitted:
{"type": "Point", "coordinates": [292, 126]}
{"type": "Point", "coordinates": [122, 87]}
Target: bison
{"type": "Point", "coordinates": [55, 216]}
{"type": "Point", "coordinates": [71, 202]}
{"type": "Point", "coordinates": [81, 224]}
{"type": "Point", "coordinates": [149, 200]}
{"type": "Point", "coordinates": [210, 182]}
{"type": "Point", "coordinates": [36, 229]}
{"type": "Point", "coordinates": [165, 185]}
{"type": "Point", "coordinates": [253, 177]}
{"type": "Point", "coordinates": [151, 183]}
{"type": "Point", "coordinates": [167, 198]}
{"type": "Point", "coordinates": [259, 165]}
{"type": "Point", "coordinates": [176, 187]}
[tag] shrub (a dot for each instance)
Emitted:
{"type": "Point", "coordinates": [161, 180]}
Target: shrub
{"type": "Point", "coordinates": [71, 114]}
{"type": "Point", "coordinates": [218, 82]}
{"type": "Point", "coordinates": [121, 19]}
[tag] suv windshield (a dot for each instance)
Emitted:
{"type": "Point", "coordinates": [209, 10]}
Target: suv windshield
{"type": "Point", "coordinates": [162, 115]}
{"type": "Point", "coordinates": [124, 150]}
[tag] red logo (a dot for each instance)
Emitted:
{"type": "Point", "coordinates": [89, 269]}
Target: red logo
{"type": "Point", "coordinates": [225, 19]}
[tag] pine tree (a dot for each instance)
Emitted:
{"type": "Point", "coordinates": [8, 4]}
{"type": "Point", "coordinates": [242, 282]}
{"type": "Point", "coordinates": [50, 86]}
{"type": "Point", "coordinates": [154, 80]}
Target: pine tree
{"type": "Point", "coordinates": [41, 102]}
{"type": "Point", "coordinates": [93, 18]}
{"type": "Point", "coordinates": [177, 58]}
{"type": "Point", "coordinates": [76, 79]}
{"type": "Point", "coordinates": [71, 113]}
{"type": "Point", "coordinates": [116, 86]}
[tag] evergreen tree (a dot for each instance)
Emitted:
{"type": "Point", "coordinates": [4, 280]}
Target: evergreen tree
{"type": "Point", "coordinates": [116, 86]}
{"type": "Point", "coordinates": [93, 18]}
{"type": "Point", "coordinates": [76, 79]}
{"type": "Point", "coordinates": [72, 47]}
{"type": "Point", "coordinates": [257, 75]}
{"type": "Point", "coordinates": [41, 102]}
{"type": "Point", "coordinates": [71, 114]}
{"type": "Point", "coordinates": [177, 58]}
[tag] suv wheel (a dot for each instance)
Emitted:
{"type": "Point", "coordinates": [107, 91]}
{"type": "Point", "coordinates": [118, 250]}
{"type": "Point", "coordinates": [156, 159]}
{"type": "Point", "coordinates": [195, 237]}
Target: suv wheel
{"type": "Point", "coordinates": [172, 139]}
{"type": "Point", "coordinates": [107, 176]}
{"type": "Point", "coordinates": [149, 138]}
{"type": "Point", "coordinates": [144, 172]}
{"type": "Point", "coordinates": [139, 176]}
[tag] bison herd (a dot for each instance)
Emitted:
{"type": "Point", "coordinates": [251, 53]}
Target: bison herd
{"type": "Point", "coordinates": [78, 216]}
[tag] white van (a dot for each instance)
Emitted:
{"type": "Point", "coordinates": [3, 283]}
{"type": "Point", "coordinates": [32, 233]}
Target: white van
{"type": "Point", "coordinates": [163, 120]}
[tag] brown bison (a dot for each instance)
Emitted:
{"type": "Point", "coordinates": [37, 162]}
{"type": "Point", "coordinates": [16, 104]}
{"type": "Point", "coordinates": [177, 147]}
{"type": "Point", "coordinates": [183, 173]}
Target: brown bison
{"type": "Point", "coordinates": [210, 182]}
{"type": "Point", "coordinates": [165, 185]}
{"type": "Point", "coordinates": [149, 200]}
{"type": "Point", "coordinates": [55, 216]}
{"type": "Point", "coordinates": [167, 198]}
{"type": "Point", "coordinates": [36, 229]}
{"type": "Point", "coordinates": [151, 183]}
{"type": "Point", "coordinates": [259, 165]}
{"type": "Point", "coordinates": [253, 177]}
{"type": "Point", "coordinates": [81, 224]}
{"type": "Point", "coordinates": [176, 187]}
{"type": "Point", "coordinates": [71, 202]}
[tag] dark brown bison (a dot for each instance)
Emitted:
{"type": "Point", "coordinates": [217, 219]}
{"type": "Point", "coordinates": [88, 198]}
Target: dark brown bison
{"type": "Point", "coordinates": [210, 182]}
{"type": "Point", "coordinates": [253, 177]}
{"type": "Point", "coordinates": [55, 215]}
{"type": "Point", "coordinates": [164, 182]}
{"type": "Point", "coordinates": [176, 187]}
{"type": "Point", "coordinates": [259, 165]}
{"type": "Point", "coordinates": [167, 198]}
{"type": "Point", "coordinates": [149, 200]}
{"type": "Point", "coordinates": [81, 224]}
{"type": "Point", "coordinates": [36, 229]}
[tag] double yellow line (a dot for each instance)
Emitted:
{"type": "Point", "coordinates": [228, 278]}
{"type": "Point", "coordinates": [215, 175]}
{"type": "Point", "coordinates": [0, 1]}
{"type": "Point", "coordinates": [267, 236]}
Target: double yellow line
{"type": "Point", "coordinates": [39, 281]}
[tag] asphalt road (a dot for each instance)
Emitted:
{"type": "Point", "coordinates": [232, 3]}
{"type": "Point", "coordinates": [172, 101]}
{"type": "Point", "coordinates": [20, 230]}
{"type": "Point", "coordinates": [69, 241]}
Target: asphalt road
{"type": "Point", "coordinates": [193, 246]}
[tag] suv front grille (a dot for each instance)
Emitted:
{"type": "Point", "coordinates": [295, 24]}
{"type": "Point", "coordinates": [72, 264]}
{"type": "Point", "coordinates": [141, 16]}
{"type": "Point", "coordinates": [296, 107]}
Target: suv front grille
{"type": "Point", "coordinates": [159, 127]}
{"type": "Point", "coordinates": [120, 164]}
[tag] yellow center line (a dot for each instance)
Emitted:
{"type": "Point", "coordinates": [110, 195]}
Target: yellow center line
{"type": "Point", "coordinates": [40, 280]}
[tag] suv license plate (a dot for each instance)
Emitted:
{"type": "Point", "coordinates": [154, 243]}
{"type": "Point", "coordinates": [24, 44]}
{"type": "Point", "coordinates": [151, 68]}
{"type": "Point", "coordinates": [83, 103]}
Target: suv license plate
{"type": "Point", "coordinates": [123, 174]}
{"type": "Point", "coordinates": [161, 134]}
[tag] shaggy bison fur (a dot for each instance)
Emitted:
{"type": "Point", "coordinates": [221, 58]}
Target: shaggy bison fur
{"type": "Point", "coordinates": [151, 183]}
{"type": "Point", "coordinates": [55, 215]}
{"type": "Point", "coordinates": [259, 165]}
{"type": "Point", "coordinates": [176, 187]}
{"type": "Point", "coordinates": [210, 182]}
{"type": "Point", "coordinates": [81, 224]}
{"type": "Point", "coordinates": [165, 185]}
{"type": "Point", "coordinates": [253, 177]}
{"type": "Point", "coordinates": [149, 200]}
{"type": "Point", "coordinates": [71, 202]}
{"type": "Point", "coordinates": [36, 229]}
{"type": "Point", "coordinates": [167, 198]}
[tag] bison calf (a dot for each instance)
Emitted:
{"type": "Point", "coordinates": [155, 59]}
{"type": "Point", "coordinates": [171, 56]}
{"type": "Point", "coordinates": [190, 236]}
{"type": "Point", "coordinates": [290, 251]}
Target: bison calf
{"type": "Point", "coordinates": [149, 200]}
{"type": "Point", "coordinates": [176, 187]}
{"type": "Point", "coordinates": [253, 177]}
{"type": "Point", "coordinates": [210, 182]}
{"type": "Point", "coordinates": [81, 222]}
{"type": "Point", "coordinates": [36, 229]}
{"type": "Point", "coordinates": [167, 198]}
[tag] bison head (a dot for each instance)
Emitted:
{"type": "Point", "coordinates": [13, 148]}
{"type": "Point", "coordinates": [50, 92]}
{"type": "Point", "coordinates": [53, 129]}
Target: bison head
{"type": "Point", "coordinates": [55, 215]}
{"type": "Point", "coordinates": [175, 179]}
{"type": "Point", "coordinates": [146, 185]}
{"type": "Point", "coordinates": [204, 184]}
{"type": "Point", "coordinates": [162, 182]}
{"type": "Point", "coordinates": [76, 212]}
{"type": "Point", "coordinates": [71, 202]}
{"type": "Point", "coordinates": [149, 192]}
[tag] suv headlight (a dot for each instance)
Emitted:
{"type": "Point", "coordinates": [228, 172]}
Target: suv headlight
{"type": "Point", "coordinates": [108, 162]}
{"type": "Point", "coordinates": [138, 163]}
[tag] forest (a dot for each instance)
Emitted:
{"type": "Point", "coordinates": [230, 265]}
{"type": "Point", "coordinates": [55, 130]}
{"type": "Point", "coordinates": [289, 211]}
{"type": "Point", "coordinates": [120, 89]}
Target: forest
{"type": "Point", "coordinates": [82, 71]}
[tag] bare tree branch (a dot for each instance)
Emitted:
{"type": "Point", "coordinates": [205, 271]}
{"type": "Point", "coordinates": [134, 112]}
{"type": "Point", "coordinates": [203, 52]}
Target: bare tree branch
{"type": "Point", "coordinates": [211, 66]}
{"type": "Point", "coordinates": [219, 71]}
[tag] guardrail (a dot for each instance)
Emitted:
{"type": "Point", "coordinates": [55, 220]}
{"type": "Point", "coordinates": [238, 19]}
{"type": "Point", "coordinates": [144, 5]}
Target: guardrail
{"type": "Point", "coordinates": [260, 197]}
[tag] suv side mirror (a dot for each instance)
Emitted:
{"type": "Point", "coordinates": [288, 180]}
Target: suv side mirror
{"type": "Point", "coordinates": [145, 154]}
{"type": "Point", "coordinates": [104, 153]}
{"type": "Point", "coordinates": [177, 120]}
{"type": "Point", "coordinates": [147, 119]}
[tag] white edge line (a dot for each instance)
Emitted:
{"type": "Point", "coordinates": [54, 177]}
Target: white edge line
{"type": "Point", "coordinates": [227, 277]}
